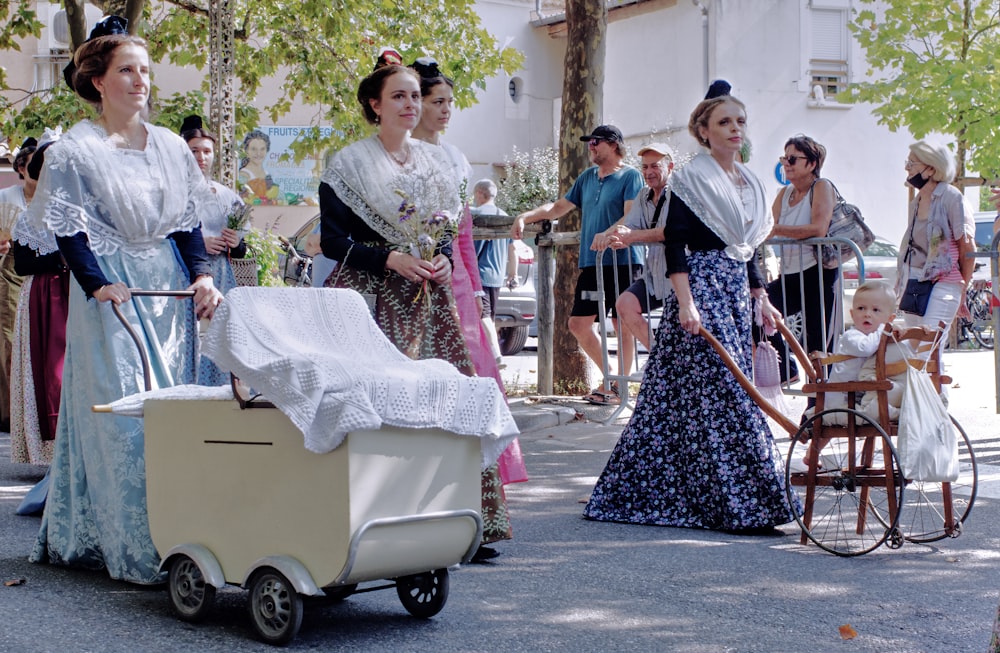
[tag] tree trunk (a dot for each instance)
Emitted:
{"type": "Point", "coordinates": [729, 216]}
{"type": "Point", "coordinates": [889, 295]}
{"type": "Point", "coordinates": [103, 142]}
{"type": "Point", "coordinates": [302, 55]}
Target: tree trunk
{"type": "Point", "coordinates": [77, 20]}
{"type": "Point", "coordinates": [130, 10]}
{"type": "Point", "coordinates": [582, 110]}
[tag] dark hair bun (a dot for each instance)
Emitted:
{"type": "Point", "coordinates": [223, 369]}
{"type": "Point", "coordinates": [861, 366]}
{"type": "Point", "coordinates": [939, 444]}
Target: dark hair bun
{"type": "Point", "coordinates": [426, 67]}
{"type": "Point", "coordinates": [191, 122]}
{"type": "Point", "coordinates": [718, 88]}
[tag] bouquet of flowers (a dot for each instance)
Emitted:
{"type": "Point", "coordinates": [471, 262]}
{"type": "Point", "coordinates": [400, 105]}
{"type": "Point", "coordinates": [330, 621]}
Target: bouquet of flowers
{"type": "Point", "coordinates": [428, 223]}
{"type": "Point", "coordinates": [238, 218]}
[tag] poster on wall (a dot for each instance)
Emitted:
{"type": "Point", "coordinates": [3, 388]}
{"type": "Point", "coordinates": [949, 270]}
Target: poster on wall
{"type": "Point", "coordinates": [268, 172]}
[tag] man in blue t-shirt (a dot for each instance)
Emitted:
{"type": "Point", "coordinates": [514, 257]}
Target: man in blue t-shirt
{"type": "Point", "coordinates": [604, 193]}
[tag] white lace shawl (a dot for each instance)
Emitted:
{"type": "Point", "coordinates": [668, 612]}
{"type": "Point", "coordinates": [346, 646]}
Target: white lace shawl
{"type": "Point", "coordinates": [37, 237]}
{"type": "Point", "coordinates": [213, 206]}
{"type": "Point", "coordinates": [318, 355]}
{"type": "Point", "coordinates": [709, 193]}
{"type": "Point", "coordinates": [367, 181]}
{"type": "Point", "coordinates": [42, 242]}
{"type": "Point", "coordinates": [122, 199]}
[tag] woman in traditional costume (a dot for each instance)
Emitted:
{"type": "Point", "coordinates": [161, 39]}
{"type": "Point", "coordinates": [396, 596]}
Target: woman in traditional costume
{"type": "Point", "coordinates": [698, 452]}
{"type": "Point", "coordinates": [119, 195]}
{"type": "Point", "coordinates": [437, 93]}
{"type": "Point", "coordinates": [362, 227]}
{"type": "Point", "coordinates": [221, 242]}
{"type": "Point", "coordinates": [39, 334]}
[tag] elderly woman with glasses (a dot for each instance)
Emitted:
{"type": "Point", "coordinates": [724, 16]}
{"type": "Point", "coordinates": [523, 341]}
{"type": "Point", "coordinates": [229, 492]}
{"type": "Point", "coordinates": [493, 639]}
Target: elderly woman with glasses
{"type": "Point", "coordinates": [933, 270]}
{"type": "Point", "coordinates": [803, 209]}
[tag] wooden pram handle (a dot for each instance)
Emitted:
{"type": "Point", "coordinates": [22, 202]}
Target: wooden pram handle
{"type": "Point", "coordinates": [143, 357]}
{"type": "Point", "coordinates": [752, 390]}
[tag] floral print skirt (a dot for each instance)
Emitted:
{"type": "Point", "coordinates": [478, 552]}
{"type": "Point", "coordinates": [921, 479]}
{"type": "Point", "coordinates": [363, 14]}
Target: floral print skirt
{"type": "Point", "coordinates": [698, 452]}
{"type": "Point", "coordinates": [422, 321]}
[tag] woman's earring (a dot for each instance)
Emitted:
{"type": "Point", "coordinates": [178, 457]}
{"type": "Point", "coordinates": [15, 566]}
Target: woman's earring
{"type": "Point", "coordinates": [378, 119]}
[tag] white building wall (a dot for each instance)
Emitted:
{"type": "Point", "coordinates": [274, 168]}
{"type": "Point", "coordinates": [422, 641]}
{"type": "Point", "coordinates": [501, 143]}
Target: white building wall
{"type": "Point", "coordinates": [654, 78]}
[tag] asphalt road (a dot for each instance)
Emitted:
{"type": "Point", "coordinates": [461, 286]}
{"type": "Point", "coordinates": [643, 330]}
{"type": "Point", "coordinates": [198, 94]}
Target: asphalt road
{"type": "Point", "coordinates": [566, 584]}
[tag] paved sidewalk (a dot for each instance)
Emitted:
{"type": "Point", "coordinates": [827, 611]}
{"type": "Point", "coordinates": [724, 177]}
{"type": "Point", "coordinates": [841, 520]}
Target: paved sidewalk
{"type": "Point", "coordinates": [567, 584]}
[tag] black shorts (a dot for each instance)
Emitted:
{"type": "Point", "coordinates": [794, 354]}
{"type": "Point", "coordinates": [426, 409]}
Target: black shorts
{"type": "Point", "coordinates": [490, 302]}
{"type": "Point", "coordinates": [584, 296]}
{"type": "Point", "coordinates": [647, 302]}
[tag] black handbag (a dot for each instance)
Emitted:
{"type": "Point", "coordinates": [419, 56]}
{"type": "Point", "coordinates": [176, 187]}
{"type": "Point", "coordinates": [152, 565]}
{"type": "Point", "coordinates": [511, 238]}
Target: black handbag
{"type": "Point", "coordinates": [847, 222]}
{"type": "Point", "coordinates": [916, 296]}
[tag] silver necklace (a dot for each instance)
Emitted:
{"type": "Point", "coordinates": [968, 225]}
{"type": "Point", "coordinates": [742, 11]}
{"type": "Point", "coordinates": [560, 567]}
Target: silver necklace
{"type": "Point", "coordinates": [394, 156]}
{"type": "Point", "coordinates": [118, 139]}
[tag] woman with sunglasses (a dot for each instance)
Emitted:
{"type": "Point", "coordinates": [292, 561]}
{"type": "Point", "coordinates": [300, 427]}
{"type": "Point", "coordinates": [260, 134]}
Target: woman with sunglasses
{"type": "Point", "coordinates": [803, 209]}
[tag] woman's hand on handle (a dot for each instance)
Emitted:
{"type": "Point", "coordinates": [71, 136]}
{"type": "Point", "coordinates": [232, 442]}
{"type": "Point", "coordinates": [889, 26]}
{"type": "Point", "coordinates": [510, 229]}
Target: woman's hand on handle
{"type": "Point", "coordinates": [690, 318]}
{"type": "Point", "coordinates": [116, 292]}
{"type": "Point", "coordinates": [206, 296]}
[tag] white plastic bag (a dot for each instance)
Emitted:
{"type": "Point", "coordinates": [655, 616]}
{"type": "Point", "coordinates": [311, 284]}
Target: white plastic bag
{"type": "Point", "coordinates": [928, 447]}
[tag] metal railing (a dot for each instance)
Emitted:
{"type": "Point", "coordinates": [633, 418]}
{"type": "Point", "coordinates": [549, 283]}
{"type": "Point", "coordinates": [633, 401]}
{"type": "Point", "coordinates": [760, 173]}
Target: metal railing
{"type": "Point", "coordinates": [832, 328]}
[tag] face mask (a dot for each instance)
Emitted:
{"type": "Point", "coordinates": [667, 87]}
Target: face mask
{"type": "Point", "coordinates": [917, 181]}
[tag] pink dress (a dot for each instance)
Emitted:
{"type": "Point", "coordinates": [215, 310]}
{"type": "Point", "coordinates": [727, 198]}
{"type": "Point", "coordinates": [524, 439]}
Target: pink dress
{"type": "Point", "coordinates": [465, 283]}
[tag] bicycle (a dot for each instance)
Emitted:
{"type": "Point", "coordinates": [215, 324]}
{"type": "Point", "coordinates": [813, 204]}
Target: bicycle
{"type": "Point", "coordinates": [297, 268]}
{"type": "Point", "coordinates": [978, 329]}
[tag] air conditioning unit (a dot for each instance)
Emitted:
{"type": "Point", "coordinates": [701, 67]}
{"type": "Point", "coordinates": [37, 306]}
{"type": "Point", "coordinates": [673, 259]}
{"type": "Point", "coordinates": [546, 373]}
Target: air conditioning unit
{"type": "Point", "coordinates": [59, 30]}
{"type": "Point", "coordinates": [55, 36]}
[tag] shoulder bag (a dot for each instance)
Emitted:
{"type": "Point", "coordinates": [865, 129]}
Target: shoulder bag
{"type": "Point", "coordinates": [847, 222]}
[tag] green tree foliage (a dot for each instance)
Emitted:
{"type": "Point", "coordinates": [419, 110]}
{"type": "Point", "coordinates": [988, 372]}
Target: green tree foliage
{"type": "Point", "coordinates": [936, 64]}
{"type": "Point", "coordinates": [530, 179]}
{"type": "Point", "coordinates": [315, 51]}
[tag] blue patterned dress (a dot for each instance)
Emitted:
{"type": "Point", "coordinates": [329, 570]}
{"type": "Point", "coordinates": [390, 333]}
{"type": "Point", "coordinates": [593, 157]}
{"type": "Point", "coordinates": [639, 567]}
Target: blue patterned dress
{"type": "Point", "coordinates": [698, 452]}
{"type": "Point", "coordinates": [126, 201]}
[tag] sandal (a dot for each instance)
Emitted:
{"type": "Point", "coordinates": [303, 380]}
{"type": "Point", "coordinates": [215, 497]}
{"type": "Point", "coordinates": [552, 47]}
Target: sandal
{"type": "Point", "coordinates": [601, 397]}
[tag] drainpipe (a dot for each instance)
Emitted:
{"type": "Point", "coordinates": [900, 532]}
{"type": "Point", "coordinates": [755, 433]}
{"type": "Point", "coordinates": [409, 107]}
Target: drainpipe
{"type": "Point", "coordinates": [704, 38]}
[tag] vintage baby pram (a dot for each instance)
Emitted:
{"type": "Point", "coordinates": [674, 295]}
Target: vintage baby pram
{"type": "Point", "coordinates": [848, 477]}
{"type": "Point", "coordinates": [235, 498]}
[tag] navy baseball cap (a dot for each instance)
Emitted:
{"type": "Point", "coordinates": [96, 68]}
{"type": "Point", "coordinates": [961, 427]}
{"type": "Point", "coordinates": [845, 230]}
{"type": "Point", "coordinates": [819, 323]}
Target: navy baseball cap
{"type": "Point", "coordinates": [607, 133]}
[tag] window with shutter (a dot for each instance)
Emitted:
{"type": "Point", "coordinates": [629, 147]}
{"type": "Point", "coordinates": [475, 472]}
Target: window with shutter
{"type": "Point", "coordinates": [828, 50]}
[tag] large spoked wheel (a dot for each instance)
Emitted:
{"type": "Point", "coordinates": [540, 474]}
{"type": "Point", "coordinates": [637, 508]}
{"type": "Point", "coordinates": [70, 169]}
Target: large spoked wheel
{"type": "Point", "coordinates": [275, 607]}
{"type": "Point", "coordinates": [423, 595]}
{"type": "Point", "coordinates": [924, 517]}
{"type": "Point", "coordinates": [840, 499]}
{"type": "Point", "coordinates": [190, 596]}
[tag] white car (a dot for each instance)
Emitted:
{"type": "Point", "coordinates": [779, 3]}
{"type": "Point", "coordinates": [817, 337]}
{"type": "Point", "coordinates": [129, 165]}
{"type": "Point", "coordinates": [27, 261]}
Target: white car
{"type": "Point", "coordinates": [880, 263]}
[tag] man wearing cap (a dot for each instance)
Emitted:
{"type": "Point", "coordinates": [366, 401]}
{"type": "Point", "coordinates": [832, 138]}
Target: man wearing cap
{"type": "Point", "coordinates": [644, 224]}
{"type": "Point", "coordinates": [604, 194]}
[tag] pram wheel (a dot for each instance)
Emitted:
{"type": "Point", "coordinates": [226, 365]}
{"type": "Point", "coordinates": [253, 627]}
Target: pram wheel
{"type": "Point", "coordinates": [423, 595]}
{"type": "Point", "coordinates": [932, 510]}
{"type": "Point", "coordinates": [190, 596]}
{"type": "Point", "coordinates": [275, 607]}
{"type": "Point", "coordinates": [848, 475]}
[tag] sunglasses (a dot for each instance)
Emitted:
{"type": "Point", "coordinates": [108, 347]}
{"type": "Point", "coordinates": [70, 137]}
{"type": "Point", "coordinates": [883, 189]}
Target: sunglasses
{"type": "Point", "coordinates": [790, 160]}
{"type": "Point", "coordinates": [594, 142]}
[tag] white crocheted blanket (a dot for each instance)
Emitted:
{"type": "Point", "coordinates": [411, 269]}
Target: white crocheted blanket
{"type": "Point", "coordinates": [318, 355]}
